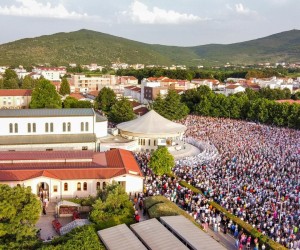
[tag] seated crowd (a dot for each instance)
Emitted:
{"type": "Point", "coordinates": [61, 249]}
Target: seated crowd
{"type": "Point", "coordinates": [254, 175]}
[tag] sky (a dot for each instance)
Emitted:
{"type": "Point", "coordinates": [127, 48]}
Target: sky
{"type": "Point", "coordinates": [168, 22]}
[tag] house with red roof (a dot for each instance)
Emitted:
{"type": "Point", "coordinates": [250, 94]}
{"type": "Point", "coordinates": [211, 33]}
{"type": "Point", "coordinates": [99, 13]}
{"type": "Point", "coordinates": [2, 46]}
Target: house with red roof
{"type": "Point", "coordinates": [15, 98]}
{"type": "Point", "coordinates": [56, 175]}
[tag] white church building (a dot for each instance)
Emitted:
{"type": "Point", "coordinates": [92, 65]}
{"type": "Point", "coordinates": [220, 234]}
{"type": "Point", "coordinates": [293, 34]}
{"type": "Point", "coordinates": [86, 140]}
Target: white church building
{"type": "Point", "coordinates": [51, 129]}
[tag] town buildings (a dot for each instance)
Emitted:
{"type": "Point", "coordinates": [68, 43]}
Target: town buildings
{"type": "Point", "coordinates": [15, 98]}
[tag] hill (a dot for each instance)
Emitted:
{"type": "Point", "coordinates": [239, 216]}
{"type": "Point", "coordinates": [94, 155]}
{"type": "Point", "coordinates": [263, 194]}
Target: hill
{"type": "Point", "coordinates": [85, 46]}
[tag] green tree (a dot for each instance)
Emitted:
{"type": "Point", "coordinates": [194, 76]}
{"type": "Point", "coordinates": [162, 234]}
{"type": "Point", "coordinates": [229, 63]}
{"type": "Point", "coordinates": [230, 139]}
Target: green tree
{"type": "Point", "coordinates": [161, 161]}
{"type": "Point", "coordinates": [84, 237]}
{"type": "Point", "coordinates": [296, 96]}
{"type": "Point", "coordinates": [171, 107]}
{"type": "Point", "coordinates": [28, 82]}
{"type": "Point", "coordinates": [121, 111]}
{"type": "Point", "coordinates": [112, 208]}
{"type": "Point", "coordinates": [19, 211]}
{"type": "Point", "coordinates": [106, 99]}
{"type": "Point", "coordinates": [71, 102]}
{"type": "Point", "coordinates": [10, 79]}
{"type": "Point", "coordinates": [44, 95]}
{"type": "Point", "coordinates": [64, 87]}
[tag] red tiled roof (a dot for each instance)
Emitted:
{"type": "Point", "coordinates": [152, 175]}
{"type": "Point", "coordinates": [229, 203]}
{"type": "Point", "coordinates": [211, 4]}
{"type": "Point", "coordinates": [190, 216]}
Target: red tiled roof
{"type": "Point", "coordinates": [141, 111]}
{"type": "Point", "coordinates": [232, 86]}
{"type": "Point", "coordinates": [51, 68]}
{"type": "Point", "coordinates": [77, 96]}
{"type": "Point", "coordinates": [135, 104]}
{"type": "Point", "coordinates": [94, 93]}
{"type": "Point", "coordinates": [289, 101]}
{"type": "Point", "coordinates": [44, 155]}
{"type": "Point", "coordinates": [15, 92]}
{"type": "Point", "coordinates": [101, 165]}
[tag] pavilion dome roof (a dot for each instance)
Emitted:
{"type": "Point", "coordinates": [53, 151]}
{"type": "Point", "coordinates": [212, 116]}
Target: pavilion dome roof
{"type": "Point", "coordinates": [151, 123]}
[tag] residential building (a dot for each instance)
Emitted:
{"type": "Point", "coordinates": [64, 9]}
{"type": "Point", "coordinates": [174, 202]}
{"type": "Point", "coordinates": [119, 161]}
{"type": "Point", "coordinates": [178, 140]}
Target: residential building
{"type": "Point", "coordinates": [15, 98]}
{"type": "Point", "coordinates": [127, 80]}
{"type": "Point", "coordinates": [233, 89]}
{"type": "Point", "coordinates": [85, 84]}
{"type": "Point", "coordinates": [133, 92]}
{"type": "Point", "coordinates": [51, 73]}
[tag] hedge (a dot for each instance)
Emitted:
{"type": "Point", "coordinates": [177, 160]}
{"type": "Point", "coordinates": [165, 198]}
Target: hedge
{"type": "Point", "coordinates": [86, 201]}
{"type": "Point", "coordinates": [158, 206]}
{"type": "Point", "coordinates": [247, 227]}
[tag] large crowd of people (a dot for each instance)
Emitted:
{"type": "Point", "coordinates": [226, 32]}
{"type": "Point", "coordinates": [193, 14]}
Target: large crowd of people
{"type": "Point", "coordinates": [250, 169]}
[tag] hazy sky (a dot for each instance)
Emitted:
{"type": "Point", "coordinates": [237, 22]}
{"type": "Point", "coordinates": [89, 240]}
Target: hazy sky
{"type": "Point", "coordinates": [170, 22]}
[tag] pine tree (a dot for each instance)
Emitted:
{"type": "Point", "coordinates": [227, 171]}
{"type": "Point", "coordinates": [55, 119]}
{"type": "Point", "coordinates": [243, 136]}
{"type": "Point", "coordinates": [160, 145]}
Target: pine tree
{"type": "Point", "coordinates": [64, 87]}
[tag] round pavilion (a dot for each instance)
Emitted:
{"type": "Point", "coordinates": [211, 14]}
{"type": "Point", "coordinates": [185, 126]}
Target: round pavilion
{"type": "Point", "coordinates": [152, 130]}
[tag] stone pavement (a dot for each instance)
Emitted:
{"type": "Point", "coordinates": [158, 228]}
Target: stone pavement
{"type": "Point", "coordinates": [45, 222]}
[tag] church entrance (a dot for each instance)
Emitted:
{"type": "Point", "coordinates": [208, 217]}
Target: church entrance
{"type": "Point", "coordinates": [43, 191]}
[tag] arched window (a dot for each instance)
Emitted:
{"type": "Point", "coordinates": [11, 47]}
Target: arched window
{"type": "Point", "coordinates": [84, 186]}
{"type": "Point", "coordinates": [86, 126]}
{"type": "Point", "coordinates": [98, 185]}
{"type": "Point", "coordinates": [82, 126]}
{"type": "Point", "coordinates": [66, 186]}
{"type": "Point", "coordinates": [78, 186]}
{"type": "Point", "coordinates": [10, 128]}
{"type": "Point", "coordinates": [29, 127]}
{"type": "Point", "coordinates": [64, 127]}
{"type": "Point", "coordinates": [69, 126]}
{"type": "Point", "coordinates": [16, 128]}
{"type": "Point", "coordinates": [46, 127]}
{"type": "Point", "coordinates": [34, 127]}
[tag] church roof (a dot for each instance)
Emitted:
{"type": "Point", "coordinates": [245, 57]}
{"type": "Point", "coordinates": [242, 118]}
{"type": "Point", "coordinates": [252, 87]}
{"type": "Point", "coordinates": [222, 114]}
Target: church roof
{"type": "Point", "coordinates": [67, 165]}
{"type": "Point", "coordinates": [46, 112]}
{"type": "Point", "coordinates": [151, 123]}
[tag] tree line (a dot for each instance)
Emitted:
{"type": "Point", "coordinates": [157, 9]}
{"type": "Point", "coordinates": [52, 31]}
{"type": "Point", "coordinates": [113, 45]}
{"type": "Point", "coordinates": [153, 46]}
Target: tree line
{"type": "Point", "coordinates": [220, 74]}
{"type": "Point", "coordinates": [249, 106]}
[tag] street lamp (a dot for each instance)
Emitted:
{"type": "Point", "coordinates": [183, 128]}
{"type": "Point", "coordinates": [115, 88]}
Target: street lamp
{"type": "Point", "coordinates": [228, 183]}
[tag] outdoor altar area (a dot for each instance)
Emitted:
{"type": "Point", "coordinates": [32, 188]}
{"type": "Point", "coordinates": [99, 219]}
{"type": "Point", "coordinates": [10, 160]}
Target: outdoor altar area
{"type": "Point", "coordinates": [181, 149]}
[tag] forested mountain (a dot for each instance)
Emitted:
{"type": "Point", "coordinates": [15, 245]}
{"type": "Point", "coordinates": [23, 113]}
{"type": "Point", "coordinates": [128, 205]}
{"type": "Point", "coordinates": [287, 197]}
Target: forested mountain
{"type": "Point", "coordinates": [86, 46]}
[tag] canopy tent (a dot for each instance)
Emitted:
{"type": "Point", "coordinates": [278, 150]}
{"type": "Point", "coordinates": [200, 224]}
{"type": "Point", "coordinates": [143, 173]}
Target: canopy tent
{"type": "Point", "coordinates": [66, 208]}
{"type": "Point", "coordinates": [151, 123]}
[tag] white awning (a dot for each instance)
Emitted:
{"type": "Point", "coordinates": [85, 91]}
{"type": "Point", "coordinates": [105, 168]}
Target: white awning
{"type": "Point", "coordinates": [151, 123]}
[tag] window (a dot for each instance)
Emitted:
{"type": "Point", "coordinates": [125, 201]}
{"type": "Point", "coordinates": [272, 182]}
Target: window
{"type": "Point", "coordinates": [49, 149]}
{"type": "Point", "coordinates": [29, 127]}
{"type": "Point", "coordinates": [98, 185]}
{"type": "Point", "coordinates": [47, 127]}
{"type": "Point", "coordinates": [64, 127]}
{"type": "Point", "coordinates": [55, 188]}
{"type": "Point", "coordinates": [154, 142]}
{"type": "Point", "coordinates": [11, 128]}
{"type": "Point", "coordinates": [66, 186]}
{"type": "Point", "coordinates": [51, 127]}
{"type": "Point", "coordinates": [84, 186]}
{"type": "Point", "coordinates": [81, 126]}
{"type": "Point", "coordinates": [16, 128]}
{"type": "Point", "coordinates": [33, 127]}
{"type": "Point", "coordinates": [149, 142]}
{"type": "Point", "coordinates": [69, 126]}
{"type": "Point", "coordinates": [86, 126]}
{"type": "Point", "coordinates": [104, 185]}
{"type": "Point", "coordinates": [84, 148]}
{"type": "Point", "coordinates": [78, 186]}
